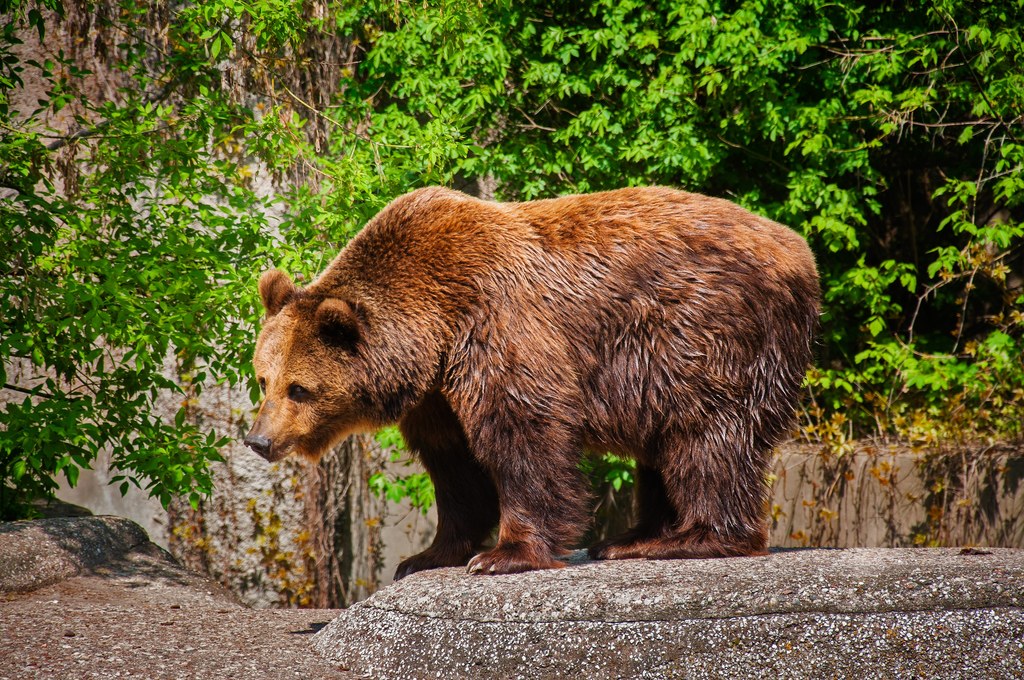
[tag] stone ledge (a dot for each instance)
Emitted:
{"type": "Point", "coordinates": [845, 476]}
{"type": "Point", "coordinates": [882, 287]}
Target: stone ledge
{"type": "Point", "coordinates": [798, 613]}
{"type": "Point", "coordinates": [38, 553]}
{"type": "Point", "coordinates": [83, 598]}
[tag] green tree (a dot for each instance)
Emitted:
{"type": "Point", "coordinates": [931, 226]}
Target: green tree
{"type": "Point", "coordinates": [889, 135]}
{"type": "Point", "coordinates": [129, 243]}
{"type": "Point", "coordinates": [891, 139]}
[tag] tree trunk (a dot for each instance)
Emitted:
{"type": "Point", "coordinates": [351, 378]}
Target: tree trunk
{"type": "Point", "coordinates": [345, 520]}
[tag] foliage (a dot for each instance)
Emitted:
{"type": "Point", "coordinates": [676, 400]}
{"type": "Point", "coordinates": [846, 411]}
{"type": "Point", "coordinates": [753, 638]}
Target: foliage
{"type": "Point", "coordinates": [292, 569]}
{"type": "Point", "coordinates": [890, 137]}
{"type": "Point", "coordinates": [129, 243]}
{"type": "Point", "coordinates": [415, 487]}
{"type": "Point", "coordinates": [892, 140]}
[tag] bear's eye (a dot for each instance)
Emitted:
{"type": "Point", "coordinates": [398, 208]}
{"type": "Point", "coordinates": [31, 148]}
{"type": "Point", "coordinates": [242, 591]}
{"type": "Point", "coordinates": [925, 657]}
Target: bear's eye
{"type": "Point", "coordinates": [263, 386]}
{"type": "Point", "coordinates": [298, 392]}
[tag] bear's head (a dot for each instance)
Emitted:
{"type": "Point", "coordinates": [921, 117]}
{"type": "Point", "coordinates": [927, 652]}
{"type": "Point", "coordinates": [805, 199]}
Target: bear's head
{"type": "Point", "coordinates": [308, 365]}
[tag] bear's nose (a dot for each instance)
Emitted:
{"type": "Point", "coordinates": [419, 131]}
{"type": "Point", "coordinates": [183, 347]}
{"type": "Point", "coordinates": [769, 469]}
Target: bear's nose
{"type": "Point", "coordinates": [259, 444]}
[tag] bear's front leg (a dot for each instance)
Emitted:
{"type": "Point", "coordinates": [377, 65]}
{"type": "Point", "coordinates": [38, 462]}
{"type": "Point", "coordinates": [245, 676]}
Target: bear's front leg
{"type": "Point", "coordinates": [516, 552]}
{"type": "Point", "coordinates": [541, 493]}
{"type": "Point", "coordinates": [512, 386]}
{"type": "Point", "coordinates": [467, 502]}
{"type": "Point", "coordinates": [467, 510]}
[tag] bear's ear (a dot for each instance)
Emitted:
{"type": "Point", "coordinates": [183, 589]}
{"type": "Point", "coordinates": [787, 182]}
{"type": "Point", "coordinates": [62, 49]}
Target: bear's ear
{"type": "Point", "coordinates": [338, 321]}
{"type": "Point", "coordinates": [276, 289]}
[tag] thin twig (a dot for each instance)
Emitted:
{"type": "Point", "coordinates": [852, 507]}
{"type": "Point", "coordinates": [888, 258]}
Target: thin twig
{"type": "Point", "coordinates": [80, 134]}
{"type": "Point", "coordinates": [753, 153]}
{"type": "Point", "coordinates": [32, 393]}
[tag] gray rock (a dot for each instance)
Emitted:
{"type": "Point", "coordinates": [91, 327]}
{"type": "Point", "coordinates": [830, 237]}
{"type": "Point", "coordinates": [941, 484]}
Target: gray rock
{"type": "Point", "coordinates": [797, 613]}
{"type": "Point", "coordinates": [115, 608]}
{"type": "Point", "coordinates": [37, 553]}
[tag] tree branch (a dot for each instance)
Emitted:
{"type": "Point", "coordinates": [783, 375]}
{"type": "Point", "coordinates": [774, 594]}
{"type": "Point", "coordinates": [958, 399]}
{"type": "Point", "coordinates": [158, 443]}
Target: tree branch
{"type": "Point", "coordinates": [79, 134]}
{"type": "Point", "coordinates": [31, 393]}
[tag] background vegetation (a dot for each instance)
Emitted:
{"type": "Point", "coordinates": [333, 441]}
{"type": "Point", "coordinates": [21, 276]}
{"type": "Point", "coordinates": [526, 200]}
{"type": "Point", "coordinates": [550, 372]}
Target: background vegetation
{"type": "Point", "coordinates": [137, 209]}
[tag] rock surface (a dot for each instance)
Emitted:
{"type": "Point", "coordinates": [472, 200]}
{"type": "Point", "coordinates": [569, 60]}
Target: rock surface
{"type": "Point", "coordinates": [36, 554]}
{"type": "Point", "coordinates": [798, 613]}
{"type": "Point", "coordinates": [93, 598]}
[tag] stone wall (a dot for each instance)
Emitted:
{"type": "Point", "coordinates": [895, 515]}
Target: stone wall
{"type": "Point", "coordinates": [281, 534]}
{"type": "Point", "coordinates": [270, 532]}
{"type": "Point", "coordinates": [884, 495]}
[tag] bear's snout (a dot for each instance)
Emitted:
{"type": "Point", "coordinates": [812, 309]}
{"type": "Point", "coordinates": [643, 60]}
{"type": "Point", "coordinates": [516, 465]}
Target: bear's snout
{"type": "Point", "coordinates": [259, 444]}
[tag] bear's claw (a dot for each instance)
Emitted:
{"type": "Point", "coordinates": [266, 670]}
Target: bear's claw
{"type": "Point", "coordinates": [429, 559]}
{"type": "Point", "coordinates": [512, 559]}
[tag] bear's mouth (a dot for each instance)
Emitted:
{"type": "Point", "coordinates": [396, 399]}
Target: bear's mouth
{"type": "Point", "coordinates": [276, 456]}
{"type": "Point", "coordinates": [309, 447]}
{"type": "Point", "coordinates": [275, 452]}
{"type": "Point", "coordinates": [279, 453]}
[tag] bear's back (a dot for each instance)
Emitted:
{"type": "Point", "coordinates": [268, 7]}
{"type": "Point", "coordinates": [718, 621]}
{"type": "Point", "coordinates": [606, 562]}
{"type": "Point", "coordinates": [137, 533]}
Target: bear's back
{"type": "Point", "coordinates": [672, 305]}
{"type": "Point", "coordinates": [443, 238]}
{"type": "Point", "coordinates": [678, 224]}
{"type": "Point", "coordinates": [670, 254]}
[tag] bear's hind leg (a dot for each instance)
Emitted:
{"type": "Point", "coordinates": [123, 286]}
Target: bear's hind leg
{"type": "Point", "coordinates": [716, 488]}
{"type": "Point", "coordinates": [467, 502]}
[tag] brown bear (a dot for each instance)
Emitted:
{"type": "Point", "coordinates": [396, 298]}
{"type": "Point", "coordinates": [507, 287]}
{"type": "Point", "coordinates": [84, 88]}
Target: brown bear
{"type": "Point", "coordinates": [505, 339]}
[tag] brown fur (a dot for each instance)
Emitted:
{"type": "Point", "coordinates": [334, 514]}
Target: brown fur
{"type": "Point", "coordinates": [505, 339]}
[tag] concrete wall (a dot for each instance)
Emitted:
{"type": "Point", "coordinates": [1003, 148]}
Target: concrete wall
{"type": "Point", "coordinates": [873, 496]}
{"type": "Point", "coordinates": [885, 495]}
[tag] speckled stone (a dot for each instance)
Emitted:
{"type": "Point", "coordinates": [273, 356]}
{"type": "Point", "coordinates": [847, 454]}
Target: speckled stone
{"type": "Point", "coordinates": [40, 552]}
{"type": "Point", "coordinates": [126, 610]}
{"type": "Point", "coordinates": [797, 613]}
